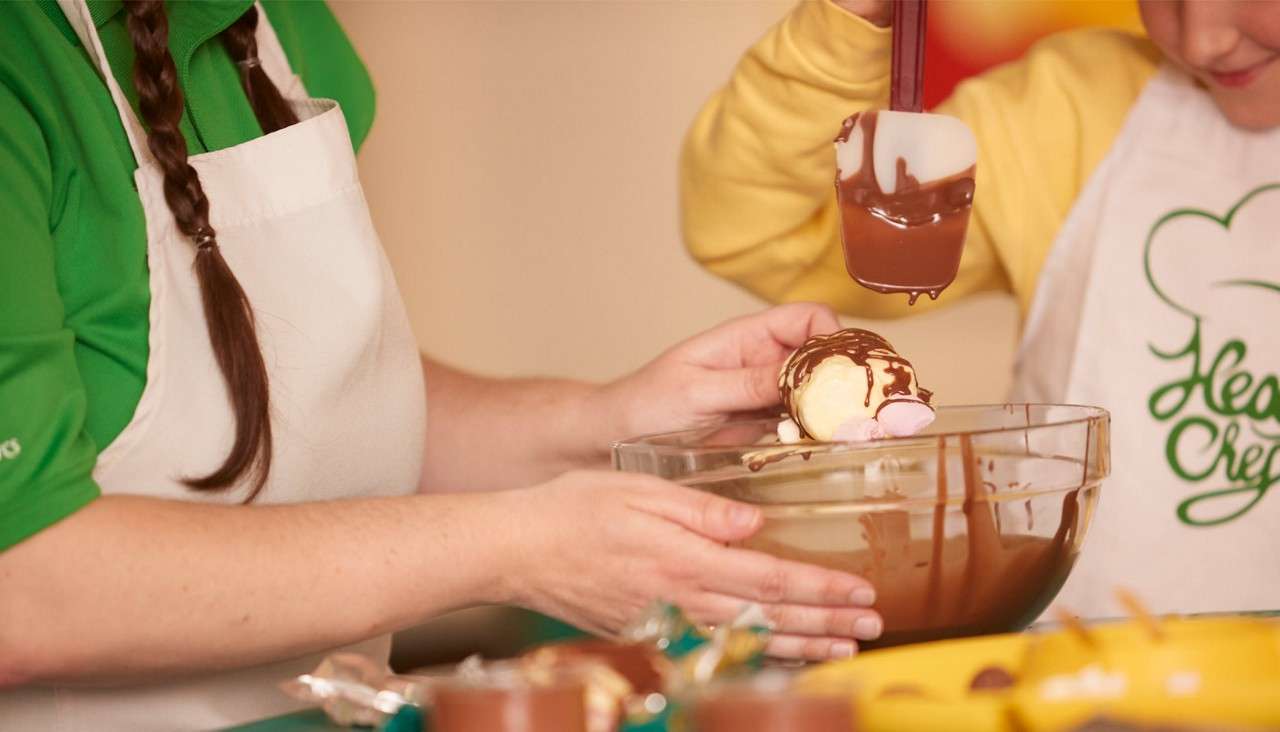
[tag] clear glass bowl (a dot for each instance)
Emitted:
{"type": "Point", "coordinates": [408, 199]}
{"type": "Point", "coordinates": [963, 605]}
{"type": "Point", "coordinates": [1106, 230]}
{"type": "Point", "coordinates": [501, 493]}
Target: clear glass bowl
{"type": "Point", "coordinates": [970, 527]}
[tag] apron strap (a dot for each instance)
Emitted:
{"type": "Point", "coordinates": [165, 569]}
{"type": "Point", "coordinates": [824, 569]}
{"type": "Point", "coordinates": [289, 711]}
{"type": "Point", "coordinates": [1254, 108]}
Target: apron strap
{"type": "Point", "coordinates": [77, 12]}
{"type": "Point", "coordinates": [270, 52]}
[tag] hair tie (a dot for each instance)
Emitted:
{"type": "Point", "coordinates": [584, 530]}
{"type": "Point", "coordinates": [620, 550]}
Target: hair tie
{"type": "Point", "coordinates": [205, 240]}
{"type": "Point", "coordinates": [249, 63]}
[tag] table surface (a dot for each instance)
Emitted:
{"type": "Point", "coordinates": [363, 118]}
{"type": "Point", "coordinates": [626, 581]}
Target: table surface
{"type": "Point", "coordinates": [314, 720]}
{"type": "Point", "coordinates": [311, 720]}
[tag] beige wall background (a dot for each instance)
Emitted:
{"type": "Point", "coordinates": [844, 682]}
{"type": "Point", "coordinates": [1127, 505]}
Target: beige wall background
{"type": "Point", "coordinates": [522, 173]}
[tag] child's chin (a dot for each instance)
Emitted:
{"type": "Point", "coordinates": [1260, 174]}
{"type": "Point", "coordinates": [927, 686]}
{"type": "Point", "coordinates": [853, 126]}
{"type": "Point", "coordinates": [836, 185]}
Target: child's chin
{"type": "Point", "coordinates": [1249, 109]}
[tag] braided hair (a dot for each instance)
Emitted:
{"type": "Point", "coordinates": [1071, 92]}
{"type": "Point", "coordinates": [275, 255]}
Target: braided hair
{"type": "Point", "coordinates": [228, 314]}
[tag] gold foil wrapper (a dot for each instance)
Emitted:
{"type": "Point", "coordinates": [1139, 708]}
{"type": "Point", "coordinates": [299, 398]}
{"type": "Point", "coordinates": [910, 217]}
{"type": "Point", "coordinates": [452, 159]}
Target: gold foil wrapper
{"type": "Point", "coordinates": [702, 653]}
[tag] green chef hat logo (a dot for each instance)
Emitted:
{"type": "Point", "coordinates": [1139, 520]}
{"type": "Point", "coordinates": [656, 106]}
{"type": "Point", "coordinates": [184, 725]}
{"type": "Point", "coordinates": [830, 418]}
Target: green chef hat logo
{"type": "Point", "coordinates": [1224, 412]}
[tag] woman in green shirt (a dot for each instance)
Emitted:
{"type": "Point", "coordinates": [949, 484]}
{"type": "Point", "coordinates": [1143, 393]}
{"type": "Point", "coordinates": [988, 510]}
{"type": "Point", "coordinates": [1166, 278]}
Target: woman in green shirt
{"type": "Point", "coordinates": [173, 421]}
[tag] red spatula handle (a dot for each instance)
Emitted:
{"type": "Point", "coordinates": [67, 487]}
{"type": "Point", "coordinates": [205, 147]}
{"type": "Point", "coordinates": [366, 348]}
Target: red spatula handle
{"type": "Point", "coordinates": [906, 89]}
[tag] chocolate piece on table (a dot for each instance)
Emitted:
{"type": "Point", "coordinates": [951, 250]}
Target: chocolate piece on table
{"type": "Point", "coordinates": [992, 677]}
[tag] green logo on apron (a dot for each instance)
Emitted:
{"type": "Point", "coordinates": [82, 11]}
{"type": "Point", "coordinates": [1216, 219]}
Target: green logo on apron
{"type": "Point", "coordinates": [1231, 434]}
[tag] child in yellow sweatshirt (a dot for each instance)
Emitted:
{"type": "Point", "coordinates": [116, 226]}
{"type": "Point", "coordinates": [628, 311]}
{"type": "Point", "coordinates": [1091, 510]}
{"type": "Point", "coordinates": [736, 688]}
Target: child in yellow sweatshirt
{"type": "Point", "coordinates": [1128, 196]}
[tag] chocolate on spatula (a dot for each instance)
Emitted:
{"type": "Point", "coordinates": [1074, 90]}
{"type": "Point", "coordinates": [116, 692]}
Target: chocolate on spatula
{"type": "Point", "coordinates": [905, 180]}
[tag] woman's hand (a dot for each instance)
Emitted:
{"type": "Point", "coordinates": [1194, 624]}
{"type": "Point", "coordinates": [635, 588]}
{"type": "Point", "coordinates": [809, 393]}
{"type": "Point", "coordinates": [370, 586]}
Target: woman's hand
{"type": "Point", "coordinates": [485, 434]}
{"type": "Point", "coordinates": [596, 548]}
{"type": "Point", "coordinates": [729, 370]}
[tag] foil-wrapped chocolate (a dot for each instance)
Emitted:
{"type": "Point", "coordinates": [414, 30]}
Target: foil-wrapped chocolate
{"type": "Point", "coordinates": [851, 386]}
{"type": "Point", "coordinates": [701, 653]}
{"type": "Point", "coordinates": [534, 693]}
{"type": "Point", "coordinates": [580, 686]}
{"type": "Point", "coordinates": [618, 678]}
{"type": "Point", "coordinates": [356, 690]}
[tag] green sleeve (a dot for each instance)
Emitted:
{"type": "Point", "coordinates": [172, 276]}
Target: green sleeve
{"type": "Point", "coordinates": [46, 457]}
{"type": "Point", "coordinates": [323, 56]}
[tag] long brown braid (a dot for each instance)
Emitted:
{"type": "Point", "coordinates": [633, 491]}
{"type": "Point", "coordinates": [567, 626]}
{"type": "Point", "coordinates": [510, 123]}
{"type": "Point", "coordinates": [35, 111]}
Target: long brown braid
{"type": "Point", "coordinates": [227, 311]}
{"type": "Point", "coordinates": [241, 41]}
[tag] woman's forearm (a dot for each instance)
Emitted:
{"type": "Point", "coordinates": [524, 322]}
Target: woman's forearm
{"type": "Point", "coordinates": [491, 434]}
{"type": "Point", "coordinates": [131, 588]}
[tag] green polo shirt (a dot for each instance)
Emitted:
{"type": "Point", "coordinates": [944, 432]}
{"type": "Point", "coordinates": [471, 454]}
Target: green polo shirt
{"type": "Point", "coordinates": [73, 263]}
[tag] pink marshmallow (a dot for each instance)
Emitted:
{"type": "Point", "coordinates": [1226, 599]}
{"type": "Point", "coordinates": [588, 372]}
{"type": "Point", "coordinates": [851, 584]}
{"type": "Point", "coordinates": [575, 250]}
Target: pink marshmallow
{"type": "Point", "coordinates": [860, 429]}
{"type": "Point", "coordinates": [904, 417]}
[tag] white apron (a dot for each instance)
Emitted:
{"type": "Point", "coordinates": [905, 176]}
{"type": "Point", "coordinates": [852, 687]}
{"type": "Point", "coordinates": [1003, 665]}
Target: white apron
{"type": "Point", "coordinates": [1160, 301]}
{"type": "Point", "coordinates": [347, 395]}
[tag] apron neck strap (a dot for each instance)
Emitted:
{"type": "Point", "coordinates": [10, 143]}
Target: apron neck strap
{"type": "Point", "coordinates": [270, 53]}
{"type": "Point", "coordinates": [77, 12]}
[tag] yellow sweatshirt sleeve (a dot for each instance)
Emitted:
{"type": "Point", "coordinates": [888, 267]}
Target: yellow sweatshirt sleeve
{"type": "Point", "coordinates": [757, 170]}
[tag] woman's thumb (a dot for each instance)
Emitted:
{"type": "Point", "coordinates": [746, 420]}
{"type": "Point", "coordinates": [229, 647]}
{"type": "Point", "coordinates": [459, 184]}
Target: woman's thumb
{"type": "Point", "coordinates": [742, 390]}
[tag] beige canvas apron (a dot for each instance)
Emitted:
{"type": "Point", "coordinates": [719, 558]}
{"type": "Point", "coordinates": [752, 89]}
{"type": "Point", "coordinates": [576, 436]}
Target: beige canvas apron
{"type": "Point", "coordinates": [1161, 302]}
{"type": "Point", "coordinates": [346, 385]}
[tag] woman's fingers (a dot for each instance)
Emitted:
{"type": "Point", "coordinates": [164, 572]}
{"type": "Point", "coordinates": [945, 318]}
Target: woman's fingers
{"type": "Point", "coordinates": [737, 390]}
{"type": "Point", "coordinates": [816, 613]}
{"type": "Point", "coordinates": [810, 649]}
{"type": "Point", "coordinates": [762, 578]}
{"type": "Point", "coordinates": [785, 325]}
{"type": "Point", "coordinates": [761, 338]}
{"type": "Point", "coordinates": [706, 514]}
{"type": "Point", "coordinates": [794, 323]}
{"type": "Point", "coordinates": [807, 620]}
{"type": "Point", "coordinates": [860, 623]}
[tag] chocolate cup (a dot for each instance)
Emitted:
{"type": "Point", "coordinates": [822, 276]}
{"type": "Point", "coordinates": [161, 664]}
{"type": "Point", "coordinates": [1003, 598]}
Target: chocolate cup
{"type": "Point", "coordinates": [638, 663]}
{"type": "Point", "coordinates": [738, 710]}
{"type": "Point", "coordinates": [464, 707]}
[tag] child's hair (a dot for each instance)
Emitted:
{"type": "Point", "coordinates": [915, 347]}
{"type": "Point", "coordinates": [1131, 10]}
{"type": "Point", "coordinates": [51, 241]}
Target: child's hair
{"type": "Point", "coordinates": [227, 311]}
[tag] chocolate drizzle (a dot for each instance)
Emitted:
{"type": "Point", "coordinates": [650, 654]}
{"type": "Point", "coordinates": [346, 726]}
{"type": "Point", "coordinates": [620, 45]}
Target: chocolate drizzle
{"type": "Point", "coordinates": [901, 383]}
{"type": "Point", "coordinates": [755, 461]}
{"type": "Point", "coordinates": [931, 597]}
{"type": "Point", "coordinates": [861, 347]}
{"type": "Point", "coordinates": [905, 240]}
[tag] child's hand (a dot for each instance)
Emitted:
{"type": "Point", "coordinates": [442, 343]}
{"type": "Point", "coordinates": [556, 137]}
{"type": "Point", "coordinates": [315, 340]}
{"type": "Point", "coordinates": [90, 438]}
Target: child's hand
{"type": "Point", "coordinates": [730, 370]}
{"type": "Point", "coordinates": [879, 12]}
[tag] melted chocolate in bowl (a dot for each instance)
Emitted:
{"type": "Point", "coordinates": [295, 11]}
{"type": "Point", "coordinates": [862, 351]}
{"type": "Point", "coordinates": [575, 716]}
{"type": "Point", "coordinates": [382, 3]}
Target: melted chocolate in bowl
{"type": "Point", "coordinates": [968, 532]}
{"type": "Point", "coordinates": [906, 240]}
{"type": "Point", "coordinates": [946, 586]}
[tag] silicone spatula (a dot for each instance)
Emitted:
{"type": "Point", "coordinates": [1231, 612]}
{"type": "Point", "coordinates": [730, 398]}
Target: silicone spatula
{"type": "Point", "coordinates": [905, 179]}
